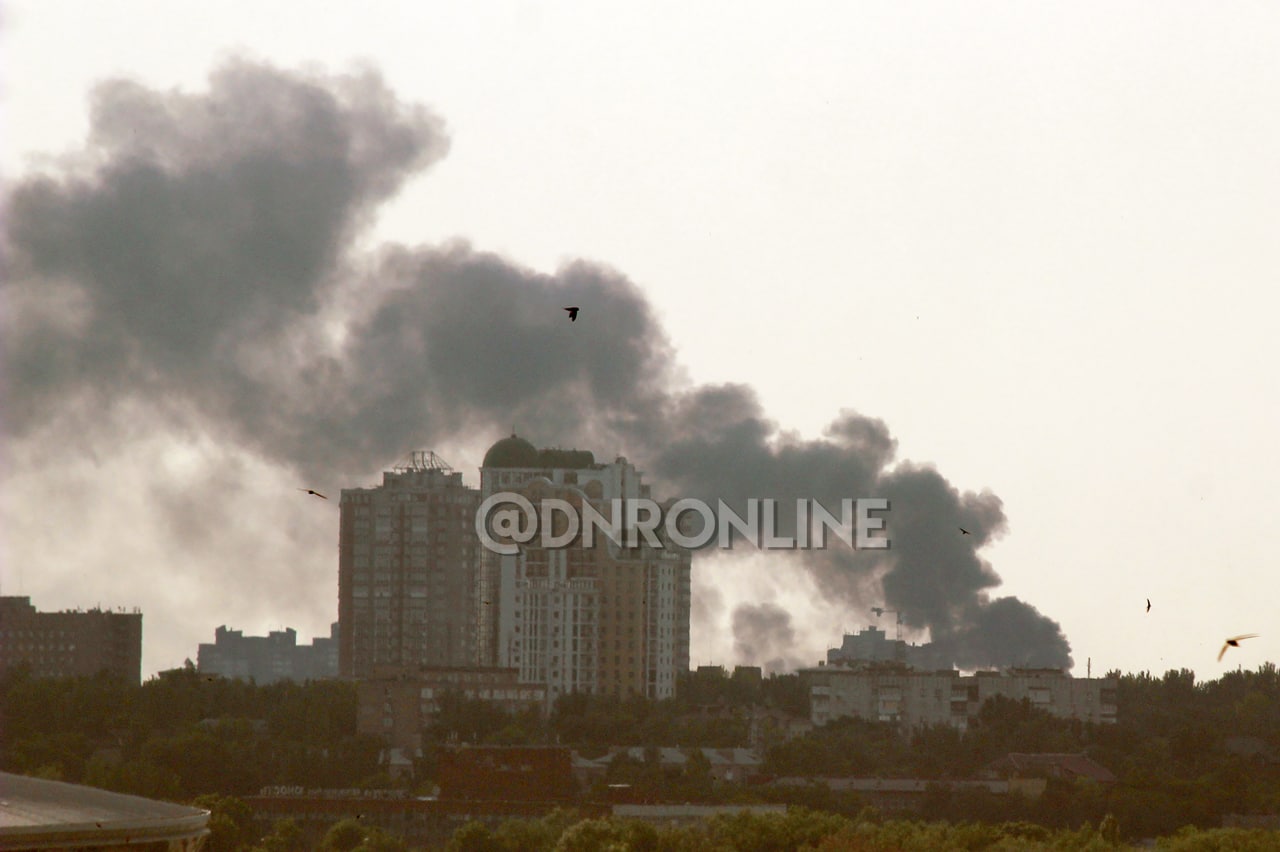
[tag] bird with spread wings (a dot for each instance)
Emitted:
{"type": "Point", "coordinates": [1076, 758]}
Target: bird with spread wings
{"type": "Point", "coordinates": [1234, 642]}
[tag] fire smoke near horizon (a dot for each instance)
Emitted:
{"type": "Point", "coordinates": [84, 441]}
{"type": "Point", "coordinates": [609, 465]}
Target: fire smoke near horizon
{"type": "Point", "coordinates": [195, 271]}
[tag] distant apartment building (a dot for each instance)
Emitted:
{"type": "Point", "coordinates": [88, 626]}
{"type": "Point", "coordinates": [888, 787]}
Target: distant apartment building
{"type": "Point", "coordinates": [398, 703]}
{"type": "Point", "coordinates": [407, 570]}
{"type": "Point", "coordinates": [871, 644]}
{"type": "Point", "coordinates": [889, 692]}
{"type": "Point", "coordinates": [267, 659]}
{"type": "Point", "coordinates": [70, 643]}
{"type": "Point", "coordinates": [604, 618]}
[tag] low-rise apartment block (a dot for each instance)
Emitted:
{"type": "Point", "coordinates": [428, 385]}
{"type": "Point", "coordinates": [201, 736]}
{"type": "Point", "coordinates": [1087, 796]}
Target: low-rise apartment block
{"type": "Point", "coordinates": [889, 692]}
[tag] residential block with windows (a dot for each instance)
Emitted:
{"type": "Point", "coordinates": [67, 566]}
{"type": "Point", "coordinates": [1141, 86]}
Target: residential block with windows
{"type": "Point", "coordinates": [267, 659]}
{"type": "Point", "coordinates": [889, 692]}
{"type": "Point", "coordinates": [600, 618]}
{"type": "Point", "coordinates": [407, 570]}
{"type": "Point", "coordinates": [70, 643]}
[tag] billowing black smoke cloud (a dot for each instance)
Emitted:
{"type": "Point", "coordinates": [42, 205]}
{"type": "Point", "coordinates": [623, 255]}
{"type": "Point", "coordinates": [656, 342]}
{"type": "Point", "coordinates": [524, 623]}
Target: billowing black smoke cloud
{"type": "Point", "coordinates": [717, 444]}
{"type": "Point", "coordinates": [199, 262]}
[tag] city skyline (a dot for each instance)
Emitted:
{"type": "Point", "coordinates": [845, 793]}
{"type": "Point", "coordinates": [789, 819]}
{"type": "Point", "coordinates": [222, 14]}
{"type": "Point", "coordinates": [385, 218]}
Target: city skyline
{"type": "Point", "coordinates": [1003, 258]}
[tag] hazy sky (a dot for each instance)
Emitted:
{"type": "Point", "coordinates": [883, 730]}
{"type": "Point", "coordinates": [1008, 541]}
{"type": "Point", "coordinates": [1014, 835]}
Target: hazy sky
{"type": "Point", "coordinates": [1037, 241]}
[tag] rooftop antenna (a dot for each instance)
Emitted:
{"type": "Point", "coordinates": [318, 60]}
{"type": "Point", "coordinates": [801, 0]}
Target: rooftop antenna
{"type": "Point", "coordinates": [422, 460]}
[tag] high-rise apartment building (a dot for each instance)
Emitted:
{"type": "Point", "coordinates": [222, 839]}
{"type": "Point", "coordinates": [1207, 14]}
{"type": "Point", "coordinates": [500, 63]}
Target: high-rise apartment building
{"type": "Point", "coordinates": [70, 643]}
{"type": "Point", "coordinates": [603, 618]}
{"type": "Point", "coordinates": [267, 659]}
{"type": "Point", "coordinates": [407, 570]}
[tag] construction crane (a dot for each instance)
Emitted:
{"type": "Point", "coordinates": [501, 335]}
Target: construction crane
{"type": "Point", "coordinates": [879, 611]}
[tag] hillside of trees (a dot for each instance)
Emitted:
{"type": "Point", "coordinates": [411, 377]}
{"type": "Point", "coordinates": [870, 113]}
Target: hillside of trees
{"type": "Point", "coordinates": [149, 740]}
{"type": "Point", "coordinates": [182, 735]}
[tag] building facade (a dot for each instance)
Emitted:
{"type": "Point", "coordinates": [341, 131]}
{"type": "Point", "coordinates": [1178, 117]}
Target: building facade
{"type": "Point", "coordinates": [597, 617]}
{"type": "Point", "coordinates": [407, 570]}
{"type": "Point", "coordinates": [911, 698]}
{"type": "Point", "coordinates": [70, 643]}
{"type": "Point", "coordinates": [397, 703]}
{"type": "Point", "coordinates": [871, 644]}
{"type": "Point", "coordinates": [267, 659]}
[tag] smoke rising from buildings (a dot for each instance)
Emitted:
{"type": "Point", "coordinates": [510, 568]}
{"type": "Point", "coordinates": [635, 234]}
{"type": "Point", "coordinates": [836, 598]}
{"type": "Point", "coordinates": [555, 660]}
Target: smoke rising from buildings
{"type": "Point", "coordinates": [763, 633]}
{"type": "Point", "coordinates": [195, 269]}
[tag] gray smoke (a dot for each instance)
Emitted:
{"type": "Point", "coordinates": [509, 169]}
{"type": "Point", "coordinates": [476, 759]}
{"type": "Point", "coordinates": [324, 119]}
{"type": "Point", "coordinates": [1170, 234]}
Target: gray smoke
{"type": "Point", "coordinates": [762, 633]}
{"type": "Point", "coordinates": [197, 264]}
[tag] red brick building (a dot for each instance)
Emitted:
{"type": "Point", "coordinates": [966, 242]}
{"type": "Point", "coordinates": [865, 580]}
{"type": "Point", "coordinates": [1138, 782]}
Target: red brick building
{"type": "Point", "coordinates": [513, 774]}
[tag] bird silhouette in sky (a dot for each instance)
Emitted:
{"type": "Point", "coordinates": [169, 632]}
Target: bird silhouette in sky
{"type": "Point", "coordinates": [573, 314]}
{"type": "Point", "coordinates": [963, 531]}
{"type": "Point", "coordinates": [1234, 642]}
{"type": "Point", "coordinates": [1148, 604]}
{"type": "Point", "coordinates": [313, 491]}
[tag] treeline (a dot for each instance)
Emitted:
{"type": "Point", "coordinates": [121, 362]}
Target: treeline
{"type": "Point", "coordinates": [711, 709]}
{"type": "Point", "coordinates": [804, 829]}
{"type": "Point", "coordinates": [182, 734]}
{"type": "Point", "coordinates": [1171, 751]}
{"type": "Point", "coordinates": [796, 829]}
{"type": "Point", "coordinates": [855, 747]}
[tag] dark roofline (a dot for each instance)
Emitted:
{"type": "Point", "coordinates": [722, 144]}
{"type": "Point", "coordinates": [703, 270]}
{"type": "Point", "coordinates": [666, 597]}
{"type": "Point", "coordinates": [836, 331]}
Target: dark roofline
{"type": "Point", "coordinates": [516, 453]}
{"type": "Point", "coordinates": [40, 814]}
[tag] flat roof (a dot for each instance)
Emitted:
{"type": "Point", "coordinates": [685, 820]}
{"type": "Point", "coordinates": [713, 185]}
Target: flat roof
{"type": "Point", "coordinates": [39, 814]}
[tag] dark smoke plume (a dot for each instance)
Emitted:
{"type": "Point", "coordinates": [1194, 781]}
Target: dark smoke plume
{"type": "Point", "coordinates": [197, 264]}
{"type": "Point", "coordinates": [763, 634]}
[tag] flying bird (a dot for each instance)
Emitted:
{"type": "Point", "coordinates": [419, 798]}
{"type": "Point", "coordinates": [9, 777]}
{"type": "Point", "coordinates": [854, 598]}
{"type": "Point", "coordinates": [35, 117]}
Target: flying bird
{"type": "Point", "coordinates": [1148, 604]}
{"type": "Point", "coordinates": [1234, 642]}
{"type": "Point", "coordinates": [313, 491]}
{"type": "Point", "coordinates": [573, 314]}
{"type": "Point", "coordinates": [963, 531]}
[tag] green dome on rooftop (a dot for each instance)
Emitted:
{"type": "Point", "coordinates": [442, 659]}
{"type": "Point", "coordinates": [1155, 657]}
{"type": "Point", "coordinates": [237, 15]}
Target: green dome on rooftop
{"type": "Point", "coordinates": [511, 452]}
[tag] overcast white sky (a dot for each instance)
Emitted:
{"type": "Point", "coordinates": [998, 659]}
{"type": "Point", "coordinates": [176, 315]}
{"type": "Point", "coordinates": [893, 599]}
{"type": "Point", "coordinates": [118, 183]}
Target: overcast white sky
{"type": "Point", "coordinates": [1038, 240]}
